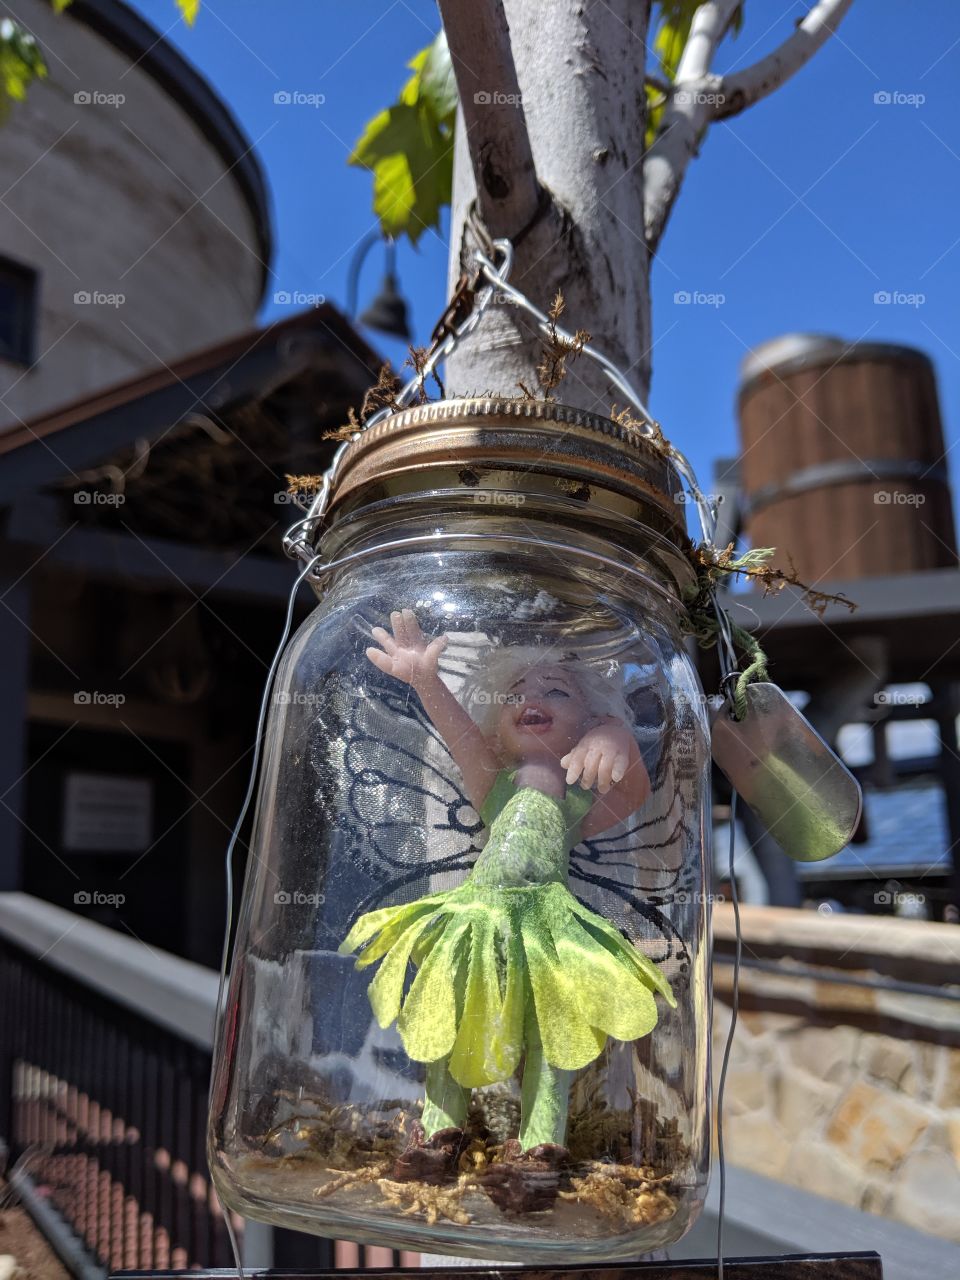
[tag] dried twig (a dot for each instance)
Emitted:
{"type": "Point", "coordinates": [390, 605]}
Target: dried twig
{"type": "Point", "coordinates": [350, 1178]}
{"type": "Point", "coordinates": [712, 563]}
{"type": "Point", "coordinates": [382, 395]}
{"type": "Point", "coordinates": [556, 350]}
{"type": "Point", "coordinates": [651, 431]}
{"type": "Point", "coordinates": [417, 361]}
{"type": "Point", "coordinates": [433, 1202]}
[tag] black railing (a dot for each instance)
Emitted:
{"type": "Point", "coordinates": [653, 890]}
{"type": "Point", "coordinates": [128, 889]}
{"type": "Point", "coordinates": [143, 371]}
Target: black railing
{"type": "Point", "coordinates": [105, 1110]}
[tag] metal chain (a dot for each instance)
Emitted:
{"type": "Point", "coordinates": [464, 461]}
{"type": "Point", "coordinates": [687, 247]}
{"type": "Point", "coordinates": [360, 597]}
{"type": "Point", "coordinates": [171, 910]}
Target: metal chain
{"type": "Point", "coordinates": [491, 261]}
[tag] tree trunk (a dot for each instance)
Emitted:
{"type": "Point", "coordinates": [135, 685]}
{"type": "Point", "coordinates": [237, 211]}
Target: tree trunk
{"type": "Point", "coordinates": [580, 73]}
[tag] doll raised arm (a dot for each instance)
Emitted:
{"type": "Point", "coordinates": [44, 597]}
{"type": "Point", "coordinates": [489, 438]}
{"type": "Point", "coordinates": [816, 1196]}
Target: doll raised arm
{"type": "Point", "coordinates": [607, 757]}
{"type": "Point", "coordinates": [409, 656]}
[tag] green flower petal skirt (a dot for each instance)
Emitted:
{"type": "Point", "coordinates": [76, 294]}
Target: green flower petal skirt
{"type": "Point", "coordinates": [481, 955]}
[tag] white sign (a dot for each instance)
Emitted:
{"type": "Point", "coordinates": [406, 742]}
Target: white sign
{"type": "Point", "coordinates": [103, 813]}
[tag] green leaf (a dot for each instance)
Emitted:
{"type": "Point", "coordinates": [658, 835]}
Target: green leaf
{"type": "Point", "coordinates": [21, 62]}
{"type": "Point", "coordinates": [438, 85]}
{"type": "Point", "coordinates": [60, 5]}
{"type": "Point", "coordinates": [409, 147]}
{"type": "Point", "coordinates": [655, 104]}
{"type": "Point", "coordinates": [412, 164]}
{"type": "Point", "coordinates": [189, 9]}
{"type": "Point", "coordinates": [672, 33]}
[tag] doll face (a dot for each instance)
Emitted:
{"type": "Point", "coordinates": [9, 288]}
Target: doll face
{"type": "Point", "coordinates": [545, 714]}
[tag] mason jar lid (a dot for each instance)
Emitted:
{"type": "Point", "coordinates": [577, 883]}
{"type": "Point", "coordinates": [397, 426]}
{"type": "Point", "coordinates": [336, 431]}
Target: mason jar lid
{"type": "Point", "coordinates": [514, 445]}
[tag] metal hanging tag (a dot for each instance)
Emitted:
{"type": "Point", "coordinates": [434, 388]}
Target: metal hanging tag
{"type": "Point", "coordinates": [796, 785]}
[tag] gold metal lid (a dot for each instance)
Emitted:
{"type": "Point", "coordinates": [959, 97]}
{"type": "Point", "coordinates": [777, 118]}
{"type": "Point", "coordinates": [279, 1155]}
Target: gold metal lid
{"type": "Point", "coordinates": [528, 446]}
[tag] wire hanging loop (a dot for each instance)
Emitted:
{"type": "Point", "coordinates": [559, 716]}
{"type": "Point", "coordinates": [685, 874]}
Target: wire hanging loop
{"type": "Point", "coordinates": [299, 540]}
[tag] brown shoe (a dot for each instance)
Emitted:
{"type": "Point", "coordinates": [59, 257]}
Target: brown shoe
{"type": "Point", "coordinates": [525, 1181]}
{"type": "Point", "coordinates": [432, 1160]}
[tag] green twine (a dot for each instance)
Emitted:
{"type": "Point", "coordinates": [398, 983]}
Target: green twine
{"type": "Point", "coordinates": [756, 668]}
{"type": "Point", "coordinates": [703, 624]}
{"type": "Point", "coordinates": [706, 627]}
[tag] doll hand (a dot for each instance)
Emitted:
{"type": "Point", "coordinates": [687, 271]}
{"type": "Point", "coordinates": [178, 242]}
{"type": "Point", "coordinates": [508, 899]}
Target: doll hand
{"type": "Point", "coordinates": [407, 654]}
{"type": "Point", "coordinates": [601, 757]}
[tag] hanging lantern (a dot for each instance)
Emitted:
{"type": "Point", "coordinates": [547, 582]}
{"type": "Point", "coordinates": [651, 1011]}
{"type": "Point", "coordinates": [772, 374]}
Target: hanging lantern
{"type": "Point", "coordinates": [469, 1005]}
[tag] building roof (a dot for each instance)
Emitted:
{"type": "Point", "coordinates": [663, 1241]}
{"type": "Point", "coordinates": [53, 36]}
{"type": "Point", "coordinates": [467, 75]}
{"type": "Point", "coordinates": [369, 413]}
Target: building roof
{"type": "Point", "coordinates": [917, 614]}
{"type": "Point", "coordinates": [147, 49]}
{"type": "Point", "coordinates": [907, 828]}
{"type": "Point", "coordinates": [87, 431]}
{"type": "Point", "coordinates": [191, 463]}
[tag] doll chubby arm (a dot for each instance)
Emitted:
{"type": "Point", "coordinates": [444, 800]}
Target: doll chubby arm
{"type": "Point", "coordinates": [607, 758]}
{"type": "Point", "coordinates": [408, 655]}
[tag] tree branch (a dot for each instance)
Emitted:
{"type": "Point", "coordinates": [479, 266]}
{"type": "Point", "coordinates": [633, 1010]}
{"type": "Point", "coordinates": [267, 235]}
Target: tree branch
{"type": "Point", "coordinates": [743, 88]}
{"type": "Point", "coordinates": [699, 96]}
{"type": "Point", "coordinates": [508, 192]}
{"type": "Point", "coordinates": [686, 115]}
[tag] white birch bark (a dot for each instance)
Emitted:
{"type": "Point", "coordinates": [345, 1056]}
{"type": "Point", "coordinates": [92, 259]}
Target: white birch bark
{"type": "Point", "coordinates": [552, 122]}
{"type": "Point", "coordinates": [579, 69]}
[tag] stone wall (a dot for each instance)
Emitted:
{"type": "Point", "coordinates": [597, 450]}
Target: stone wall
{"type": "Point", "coordinates": [850, 1091]}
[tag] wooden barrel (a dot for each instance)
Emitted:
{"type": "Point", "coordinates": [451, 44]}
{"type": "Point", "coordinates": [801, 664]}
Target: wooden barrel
{"type": "Point", "coordinates": [842, 461]}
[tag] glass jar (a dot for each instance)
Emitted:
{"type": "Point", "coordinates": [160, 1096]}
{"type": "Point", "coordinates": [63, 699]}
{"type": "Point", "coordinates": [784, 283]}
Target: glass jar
{"type": "Point", "coordinates": [470, 997]}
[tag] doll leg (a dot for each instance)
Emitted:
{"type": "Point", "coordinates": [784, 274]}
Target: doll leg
{"type": "Point", "coordinates": [435, 1143]}
{"type": "Point", "coordinates": [446, 1102]}
{"type": "Point", "coordinates": [544, 1092]}
{"type": "Point", "coordinates": [527, 1178]}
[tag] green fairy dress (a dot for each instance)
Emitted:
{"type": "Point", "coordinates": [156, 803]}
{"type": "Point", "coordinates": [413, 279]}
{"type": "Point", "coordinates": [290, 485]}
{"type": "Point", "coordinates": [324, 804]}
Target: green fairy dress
{"type": "Point", "coordinates": [510, 957]}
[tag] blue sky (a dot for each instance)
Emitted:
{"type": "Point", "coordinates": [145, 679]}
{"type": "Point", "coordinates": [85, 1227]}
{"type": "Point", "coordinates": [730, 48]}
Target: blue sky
{"type": "Point", "coordinates": [798, 212]}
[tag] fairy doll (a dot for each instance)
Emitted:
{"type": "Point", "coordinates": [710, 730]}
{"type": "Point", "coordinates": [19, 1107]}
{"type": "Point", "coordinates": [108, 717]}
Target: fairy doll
{"type": "Point", "coordinates": [510, 966]}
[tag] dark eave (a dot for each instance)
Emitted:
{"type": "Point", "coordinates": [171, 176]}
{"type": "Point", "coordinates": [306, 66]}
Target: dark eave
{"type": "Point", "coordinates": [85, 432]}
{"type": "Point", "coordinates": [151, 563]}
{"type": "Point", "coordinates": [917, 615]}
{"type": "Point", "coordinates": [137, 40]}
